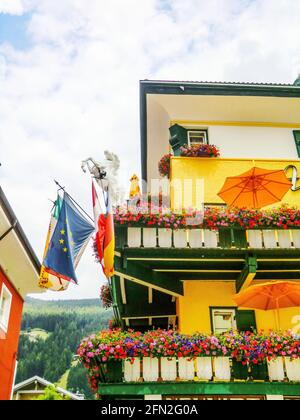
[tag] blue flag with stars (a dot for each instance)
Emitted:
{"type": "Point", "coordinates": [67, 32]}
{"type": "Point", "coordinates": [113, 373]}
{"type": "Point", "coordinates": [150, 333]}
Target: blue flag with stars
{"type": "Point", "coordinates": [69, 240]}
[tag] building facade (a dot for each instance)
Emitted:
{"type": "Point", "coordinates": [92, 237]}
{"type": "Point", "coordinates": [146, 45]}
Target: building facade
{"type": "Point", "coordinates": [188, 278]}
{"type": "Point", "coordinates": [33, 388]}
{"type": "Point", "coordinates": [19, 273]}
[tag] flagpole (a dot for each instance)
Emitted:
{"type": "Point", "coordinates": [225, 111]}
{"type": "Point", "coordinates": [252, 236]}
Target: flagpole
{"type": "Point", "coordinates": [74, 201]}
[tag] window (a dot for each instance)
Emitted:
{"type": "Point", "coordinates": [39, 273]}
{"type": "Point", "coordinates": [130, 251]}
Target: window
{"type": "Point", "coordinates": [5, 306]}
{"type": "Point", "coordinates": [197, 137]}
{"type": "Point", "coordinates": [297, 140]}
{"type": "Point", "coordinates": [223, 320]}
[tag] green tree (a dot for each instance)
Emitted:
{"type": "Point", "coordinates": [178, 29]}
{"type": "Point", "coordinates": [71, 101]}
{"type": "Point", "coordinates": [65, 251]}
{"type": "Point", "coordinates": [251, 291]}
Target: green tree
{"type": "Point", "coordinates": [66, 324]}
{"type": "Point", "coordinates": [77, 381]}
{"type": "Point", "coordinates": [51, 394]}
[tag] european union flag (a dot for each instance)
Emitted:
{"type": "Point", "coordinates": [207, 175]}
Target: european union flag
{"type": "Point", "coordinates": [70, 237]}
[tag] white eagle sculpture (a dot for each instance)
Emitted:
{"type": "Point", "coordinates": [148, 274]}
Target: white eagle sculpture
{"type": "Point", "coordinates": [105, 173]}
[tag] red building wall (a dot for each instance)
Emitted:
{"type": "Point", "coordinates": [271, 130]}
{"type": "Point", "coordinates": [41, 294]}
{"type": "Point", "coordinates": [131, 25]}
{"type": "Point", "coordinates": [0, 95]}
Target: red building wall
{"type": "Point", "coordinates": [9, 346]}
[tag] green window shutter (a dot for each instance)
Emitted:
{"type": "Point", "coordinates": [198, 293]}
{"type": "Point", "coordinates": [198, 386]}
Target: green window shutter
{"type": "Point", "coordinates": [246, 320]}
{"type": "Point", "coordinates": [297, 140]}
{"type": "Point", "coordinates": [179, 137]}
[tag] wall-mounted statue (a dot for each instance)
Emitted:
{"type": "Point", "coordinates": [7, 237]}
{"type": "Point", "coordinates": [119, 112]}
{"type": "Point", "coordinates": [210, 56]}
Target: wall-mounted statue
{"type": "Point", "coordinates": [105, 173]}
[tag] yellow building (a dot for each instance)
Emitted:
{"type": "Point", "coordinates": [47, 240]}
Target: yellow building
{"type": "Point", "coordinates": [188, 277]}
{"type": "Point", "coordinates": [35, 387]}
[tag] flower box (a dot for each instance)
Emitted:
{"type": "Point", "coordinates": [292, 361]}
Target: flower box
{"type": "Point", "coordinates": [229, 238]}
{"type": "Point", "coordinates": [186, 369]}
{"type": "Point", "coordinates": [180, 239]}
{"type": "Point", "coordinates": [276, 370]}
{"type": "Point", "coordinates": [195, 238]}
{"type": "Point", "coordinates": [270, 239]}
{"type": "Point", "coordinates": [165, 238]}
{"type": "Point", "coordinates": [296, 238]}
{"type": "Point", "coordinates": [149, 238]}
{"type": "Point", "coordinates": [132, 371]}
{"type": "Point", "coordinates": [259, 372]}
{"type": "Point", "coordinates": [150, 369]}
{"type": "Point", "coordinates": [222, 369]}
{"type": "Point", "coordinates": [204, 154]}
{"type": "Point", "coordinates": [168, 369]}
{"type": "Point", "coordinates": [283, 220]}
{"type": "Point", "coordinates": [240, 371]}
{"type": "Point", "coordinates": [255, 239]}
{"type": "Point", "coordinates": [284, 239]}
{"type": "Point", "coordinates": [199, 150]}
{"type": "Point", "coordinates": [204, 368]}
{"type": "Point", "coordinates": [118, 345]}
{"type": "Point", "coordinates": [292, 369]}
{"type": "Point", "coordinates": [113, 371]}
{"type": "Point", "coordinates": [134, 237]}
{"type": "Point", "coordinates": [210, 239]}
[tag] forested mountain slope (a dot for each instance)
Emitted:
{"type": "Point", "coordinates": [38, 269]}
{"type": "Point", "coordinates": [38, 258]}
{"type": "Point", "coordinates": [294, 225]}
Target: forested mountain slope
{"type": "Point", "coordinates": [51, 333]}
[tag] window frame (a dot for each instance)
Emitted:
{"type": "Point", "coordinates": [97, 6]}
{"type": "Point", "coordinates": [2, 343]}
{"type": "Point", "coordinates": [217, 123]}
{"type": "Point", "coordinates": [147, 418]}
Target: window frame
{"type": "Point", "coordinates": [193, 131]}
{"type": "Point", "coordinates": [296, 134]}
{"type": "Point", "coordinates": [5, 317]}
{"type": "Point", "coordinates": [232, 309]}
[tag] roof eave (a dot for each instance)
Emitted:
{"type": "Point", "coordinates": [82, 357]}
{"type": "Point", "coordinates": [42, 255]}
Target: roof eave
{"type": "Point", "coordinates": [148, 87]}
{"type": "Point", "coordinates": [19, 231]}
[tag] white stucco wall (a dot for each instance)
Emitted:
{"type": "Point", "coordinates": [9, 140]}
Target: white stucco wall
{"type": "Point", "coordinates": [256, 142]}
{"type": "Point", "coordinates": [246, 138]}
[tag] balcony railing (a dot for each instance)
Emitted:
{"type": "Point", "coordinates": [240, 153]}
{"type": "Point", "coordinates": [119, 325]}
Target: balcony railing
{"type": "Point", "coordinates": [227, 238]}
{"type": "Point", "coordinates": [201, 369]}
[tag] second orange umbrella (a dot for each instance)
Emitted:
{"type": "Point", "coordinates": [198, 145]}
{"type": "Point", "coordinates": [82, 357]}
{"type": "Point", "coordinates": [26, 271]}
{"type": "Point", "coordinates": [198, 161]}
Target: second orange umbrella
{"type": "Point", "coordinates": [255, 189]}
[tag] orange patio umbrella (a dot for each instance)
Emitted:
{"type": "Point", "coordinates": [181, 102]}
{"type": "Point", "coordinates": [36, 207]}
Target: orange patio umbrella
{"type": "Point", "coordinates": [270, 296]}
{"type": "Point", "coordinates": [255, 189]}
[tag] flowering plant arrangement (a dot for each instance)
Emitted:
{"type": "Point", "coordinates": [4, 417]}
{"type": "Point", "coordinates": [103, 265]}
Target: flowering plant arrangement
{"type": "Point", "coordinates": [200, 150]}
{"type": "Point", "coordinates": [212, 218]}
{"type": "Point", "coordinates": [247, 347]}
{"type": "Point", "coordinates": [164, 165]}
{"type": "Point", "coordinates": [196, 150]}
{"type": "Point", "coordinates": [105, 296]}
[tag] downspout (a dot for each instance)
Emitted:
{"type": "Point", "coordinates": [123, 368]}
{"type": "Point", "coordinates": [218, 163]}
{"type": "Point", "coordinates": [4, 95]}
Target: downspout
{"type": "Point", "coordinates": [9, 230]}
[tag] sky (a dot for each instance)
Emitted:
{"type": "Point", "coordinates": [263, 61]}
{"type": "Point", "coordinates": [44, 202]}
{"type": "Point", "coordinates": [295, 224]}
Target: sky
{"type": "Point", "coordinates": [69, 86]}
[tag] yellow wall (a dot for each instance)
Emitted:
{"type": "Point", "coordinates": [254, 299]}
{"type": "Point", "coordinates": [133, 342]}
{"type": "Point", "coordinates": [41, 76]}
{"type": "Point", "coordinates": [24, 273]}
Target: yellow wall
{"type": "Point", "coordinates": [214, 172]}
{"type": "Point", "coordinates": [194, 308]}
{"type": "Point", "coordinates": [26, 397]}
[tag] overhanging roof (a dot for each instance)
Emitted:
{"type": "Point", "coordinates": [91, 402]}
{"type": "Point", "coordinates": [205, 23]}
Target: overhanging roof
{"type": "Point", "coordinates": [18, 229]}
{"type": "Point", "coordinates": [43, 382]}
{"type": "Point", "coordinates": [18, 258]}
{"type": "Point", "coordinates": [183, 88]}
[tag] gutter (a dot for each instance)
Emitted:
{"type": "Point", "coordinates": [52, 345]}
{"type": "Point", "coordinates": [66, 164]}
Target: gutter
{"type": "Point", "coordinates": [5, 234]}
{"type": "Point", "coordinates": [16, 227]}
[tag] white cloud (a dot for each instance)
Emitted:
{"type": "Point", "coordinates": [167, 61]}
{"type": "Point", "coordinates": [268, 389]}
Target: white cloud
{"type": "Point", "coordinates": [11, 7]}
{"type": "Point", "coordinates": [74, 92]}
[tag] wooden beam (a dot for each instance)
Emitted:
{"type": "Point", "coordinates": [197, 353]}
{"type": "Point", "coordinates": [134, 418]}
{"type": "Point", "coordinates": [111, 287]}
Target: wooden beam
{"type": "Point", "coordinates": [148, 311]}
{"type": "Point", "coordinates": [145, 276]}
{"type": "Point", "coordinates": [247, 275]}
{"type": "Point", "coordinates": [150, 295]}
{"type": "Point", "coordinates": [123, 290]}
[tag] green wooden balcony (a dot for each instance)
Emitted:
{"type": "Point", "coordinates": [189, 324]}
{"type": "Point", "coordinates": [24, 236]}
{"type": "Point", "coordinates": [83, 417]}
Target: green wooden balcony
{"type": "Point", "coordinates": [201, 369]}
{"type": "Point", "coordinates": [224, 238]}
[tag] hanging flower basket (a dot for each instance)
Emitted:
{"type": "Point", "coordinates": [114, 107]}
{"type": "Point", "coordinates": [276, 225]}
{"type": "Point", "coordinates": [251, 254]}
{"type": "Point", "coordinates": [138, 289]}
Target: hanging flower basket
{"type": "Point", "coordinates": [105, 296]}
{"type": "Point", "coordinates": [164, 165]}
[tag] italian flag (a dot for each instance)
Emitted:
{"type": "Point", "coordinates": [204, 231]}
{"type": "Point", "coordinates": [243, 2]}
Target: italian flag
{"type": "Point", "coordinates": [105, 237]}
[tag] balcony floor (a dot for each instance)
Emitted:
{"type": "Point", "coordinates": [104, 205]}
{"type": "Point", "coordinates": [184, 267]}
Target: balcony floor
{"type": "Point", "coordinates": [201, 388]}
